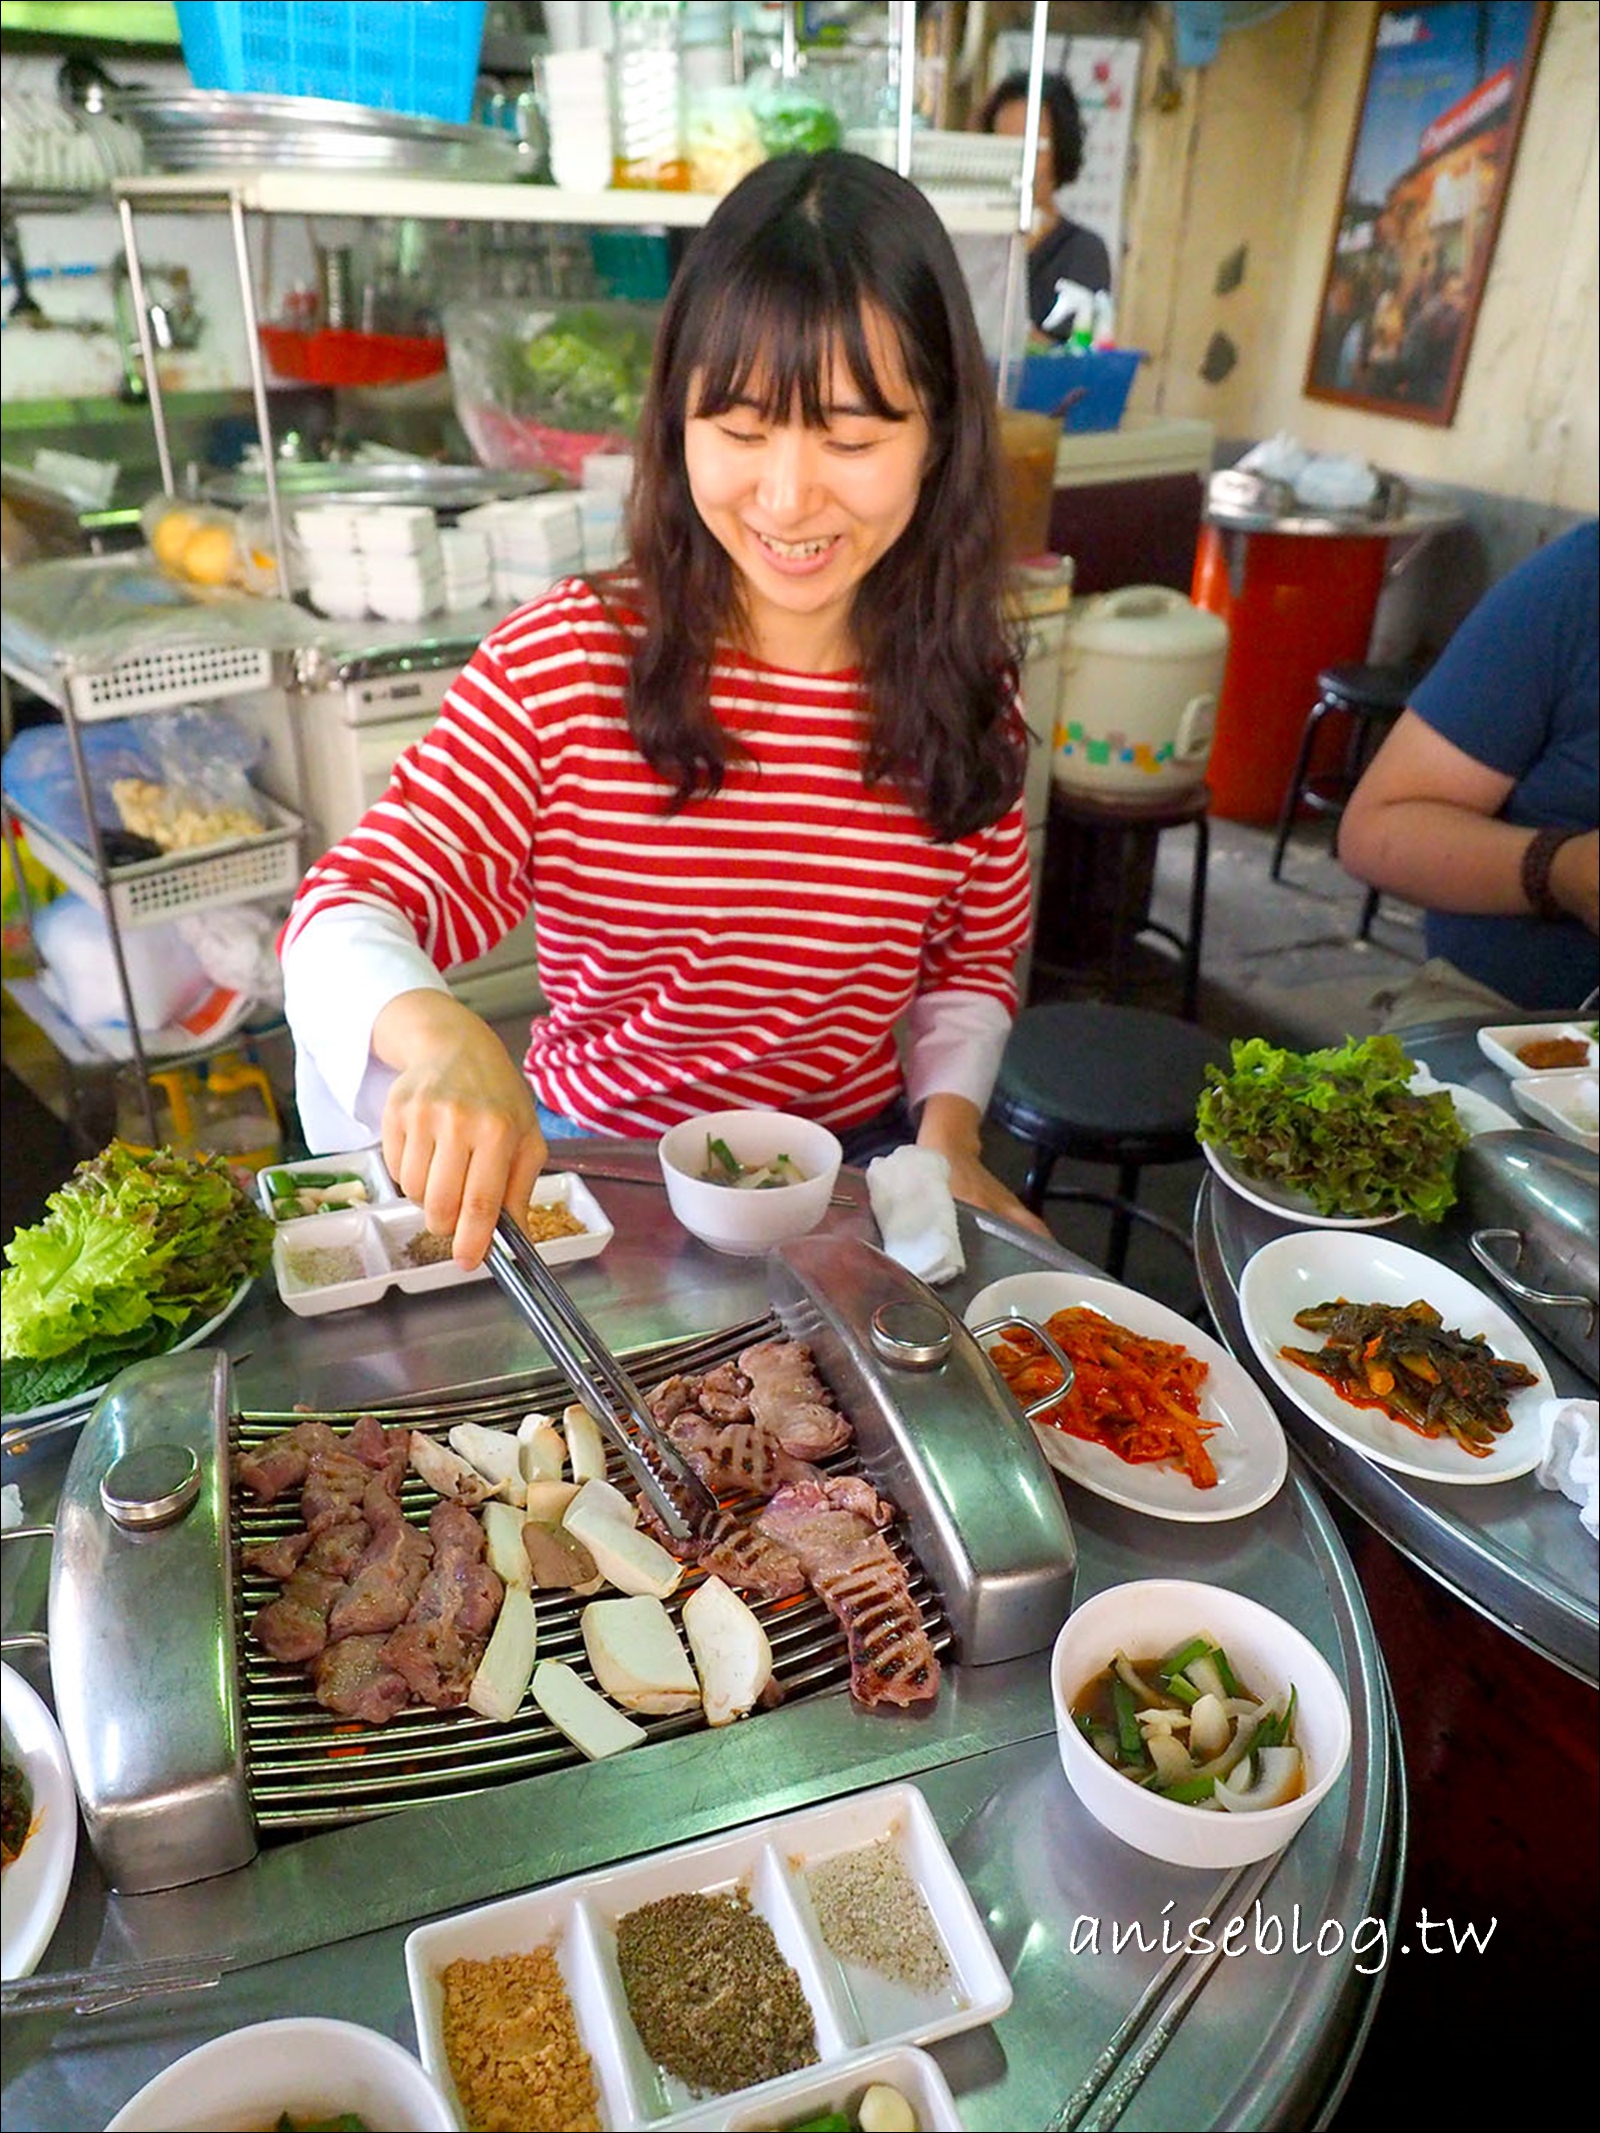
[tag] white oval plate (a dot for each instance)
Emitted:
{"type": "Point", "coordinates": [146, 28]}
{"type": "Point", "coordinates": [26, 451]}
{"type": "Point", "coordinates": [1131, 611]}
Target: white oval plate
{"type": "Point", "coordinates": [1477, 1113]}
{"type": "Point", "coordinates": [1566, 1103]}
{"type": "Point", "coordinates": [1248, 1451]}
{"type": "Point", "coordinates": [1498, 1044]}
{"type": "Point", "coordinates": [86, 1400]}
{"type": "Point", "coordinates": [1287, 1206]}
{"type": "Point", "coordinates": [1293, 1273]}
{"type": "Point", "coordinates": [34, 1888]}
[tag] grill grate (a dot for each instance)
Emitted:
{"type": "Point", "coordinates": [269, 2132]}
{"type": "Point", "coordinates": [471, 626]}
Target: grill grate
{"type": "Point", "coordinates": [310, 1770]}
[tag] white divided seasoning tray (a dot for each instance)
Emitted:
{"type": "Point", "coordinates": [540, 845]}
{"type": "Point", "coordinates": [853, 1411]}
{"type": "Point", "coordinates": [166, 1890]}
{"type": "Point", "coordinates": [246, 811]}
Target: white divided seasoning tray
{"type": "Point", "coordinates": [1569, 1104]}
{"type": "Point", "coordinates": [840, 2088]}
{"type": "Point", "coordinates": [371, 1238]}
{"type": "Point", "coordinates": [857, 2011]}
{"type": "Point", "coordinates": [1502, 1043]}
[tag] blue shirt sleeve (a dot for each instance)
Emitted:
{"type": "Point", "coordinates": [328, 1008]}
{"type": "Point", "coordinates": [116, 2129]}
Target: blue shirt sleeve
{"type": "Point", "coordinates": [1522, 667]}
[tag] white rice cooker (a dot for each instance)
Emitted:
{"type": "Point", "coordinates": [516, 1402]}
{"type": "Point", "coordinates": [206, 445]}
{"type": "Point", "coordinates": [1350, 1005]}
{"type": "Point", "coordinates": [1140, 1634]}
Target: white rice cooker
{"type": "Point", "coordinates": [1138, 706]}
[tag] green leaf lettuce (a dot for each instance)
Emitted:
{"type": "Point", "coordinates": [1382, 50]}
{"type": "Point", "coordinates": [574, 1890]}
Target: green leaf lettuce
{"type": "Point", "coordinates": [1342, 1126]}
{"type": "Point", "coordinates": [134, 1249]}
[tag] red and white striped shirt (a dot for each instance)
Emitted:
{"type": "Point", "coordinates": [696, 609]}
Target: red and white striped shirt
{"type": "Point", "coordinates": [754, 948]}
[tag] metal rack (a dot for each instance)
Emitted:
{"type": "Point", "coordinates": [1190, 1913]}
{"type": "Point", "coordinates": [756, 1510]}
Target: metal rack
{"type": "Point", "coordinates": [268, 192]}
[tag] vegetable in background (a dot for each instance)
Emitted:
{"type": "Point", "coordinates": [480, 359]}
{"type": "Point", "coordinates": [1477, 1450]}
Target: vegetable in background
{"type": "Point", "coordinates": [1342, 1126]}
{"type": "Point", "coordinates": [586, 371]}
{"type": "Point", "coordinates": [134, 1250]}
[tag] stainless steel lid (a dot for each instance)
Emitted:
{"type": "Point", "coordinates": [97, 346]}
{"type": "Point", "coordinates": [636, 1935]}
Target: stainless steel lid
{"type": "Point", "coordinates": [939, 1436]}
{"type": "Point", "coordinates": [1530, 1205]}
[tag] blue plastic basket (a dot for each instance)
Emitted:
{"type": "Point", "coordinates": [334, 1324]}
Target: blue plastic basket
{"type": "Point", "coordinates": [417, 56]}
{"type": "Point", "coordinates": [1091, 386]}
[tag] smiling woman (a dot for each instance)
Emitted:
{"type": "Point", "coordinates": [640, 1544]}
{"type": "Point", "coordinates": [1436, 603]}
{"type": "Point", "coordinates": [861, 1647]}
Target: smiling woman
{"type": "Point", "coordinates": [764, 779]}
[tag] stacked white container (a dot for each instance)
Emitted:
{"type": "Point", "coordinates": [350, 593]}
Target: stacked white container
{"type": "Point", "coordinates": [401, 558]}
{"type": "Point", "coordinates": [533, 541]}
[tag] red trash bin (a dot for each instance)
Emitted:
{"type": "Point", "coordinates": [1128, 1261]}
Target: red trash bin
{"type": "Point", "coordinates": [1303, 602]}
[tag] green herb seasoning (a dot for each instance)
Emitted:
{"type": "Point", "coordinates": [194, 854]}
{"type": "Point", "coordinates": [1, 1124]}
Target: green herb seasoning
{"type": "Point", "coordinates": [710, 1993]}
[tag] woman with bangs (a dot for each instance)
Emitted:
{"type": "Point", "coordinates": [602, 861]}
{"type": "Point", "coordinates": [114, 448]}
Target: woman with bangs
{"type": "Point", "coordinates": [761, 787]}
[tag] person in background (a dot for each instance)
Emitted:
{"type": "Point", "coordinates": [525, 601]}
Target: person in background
{"type": "Point", "coordinates": [1058, 248]}
{"type": "Point", "coordinates": [1483, 802]}
{"type": "Point", "coordinates": [761, 787]}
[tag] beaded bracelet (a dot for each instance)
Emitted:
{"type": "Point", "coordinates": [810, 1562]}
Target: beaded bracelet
{"type": "Point", "coordinates": [1537, 855]}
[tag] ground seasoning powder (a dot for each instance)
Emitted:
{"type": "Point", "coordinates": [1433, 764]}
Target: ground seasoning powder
{"type": "Point", "coordinates": [871, 1912]}
{"type": "Point", "coordinates": [512, 2040]}
{"type": "Point", "coordinates": [710, 1994]}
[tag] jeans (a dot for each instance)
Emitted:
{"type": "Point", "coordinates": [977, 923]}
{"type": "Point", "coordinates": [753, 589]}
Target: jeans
{"type": "Point", "coordinates": [874, 1136]}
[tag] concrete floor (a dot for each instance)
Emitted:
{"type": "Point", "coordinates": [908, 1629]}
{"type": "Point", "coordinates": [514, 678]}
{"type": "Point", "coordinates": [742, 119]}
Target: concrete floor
{"type": "Point", "coordinates": [1279, 960]}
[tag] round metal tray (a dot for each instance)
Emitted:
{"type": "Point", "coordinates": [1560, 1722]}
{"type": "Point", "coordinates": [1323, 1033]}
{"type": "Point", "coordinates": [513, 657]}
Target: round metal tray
{"type": "Point", "coordinates": [444, 488]}
{"type": "Point", "coordinates": [216, 129]}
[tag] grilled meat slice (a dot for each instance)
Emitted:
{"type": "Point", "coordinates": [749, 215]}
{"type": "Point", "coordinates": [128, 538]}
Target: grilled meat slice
{"type": "Point", "coordinates": [389, 1573]}
{"type": "Point", "coordinates": [789, 1399]}
{"type": "Point", "coordinates": [353, 1679]}
{"type": "Point", "coordinates": [334, 1486]}
{"type": "Point", "coordinates": [294, 1627]}
{"type": "Point", "coordinates": [277, 1559]}
{"type": "Point", "coordinates": [280, 1464]}
{"type": "Point", "coordinates": [439, 1644]}
{"type": "Point", "coordinates": [855, 1571]}
{"type": "Point", "coordinates": [741, 1456]}
{"type": "Point", "coordinates": [386, 1451]}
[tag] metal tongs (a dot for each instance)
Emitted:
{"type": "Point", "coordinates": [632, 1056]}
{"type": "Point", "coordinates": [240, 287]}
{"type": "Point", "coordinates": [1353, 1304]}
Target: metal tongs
{"type": "Point", "coordinates": [675, 1492]}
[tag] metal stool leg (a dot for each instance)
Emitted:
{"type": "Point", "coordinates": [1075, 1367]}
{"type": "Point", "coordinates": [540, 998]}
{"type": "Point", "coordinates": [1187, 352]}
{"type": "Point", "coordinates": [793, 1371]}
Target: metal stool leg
{"type": "Point", "coordinates": [1297, 782]}
{"type": "Point", "coordinates": [1197, 918]}
{"type": "Point", "coordinates": [1122, 1219]}
{"type": "Point", "coordinates": [1037, 1182]}
{"type": "Point", "coordinates": [1122, 916]}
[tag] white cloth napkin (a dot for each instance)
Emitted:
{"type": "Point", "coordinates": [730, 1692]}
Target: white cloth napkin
{"type": "Point", "coordinates": [1571, 1461]}
{"type": "Point", "coordinates": [911, 1201]}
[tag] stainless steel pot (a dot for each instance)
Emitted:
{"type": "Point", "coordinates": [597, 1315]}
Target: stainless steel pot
{"type": "Point", "coordinates": [1530, 1205]}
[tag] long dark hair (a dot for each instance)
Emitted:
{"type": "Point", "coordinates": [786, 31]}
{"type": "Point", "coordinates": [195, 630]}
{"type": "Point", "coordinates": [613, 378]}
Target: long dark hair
{"type": "Point", "coordinates": [770, 288]}
{"type": "Point", "coordinates": [1058, 97]}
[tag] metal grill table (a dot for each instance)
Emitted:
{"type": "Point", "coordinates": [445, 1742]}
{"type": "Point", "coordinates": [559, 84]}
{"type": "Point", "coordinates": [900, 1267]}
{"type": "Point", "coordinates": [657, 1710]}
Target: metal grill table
{"type": "Point", "coordinates": [317, 1921]}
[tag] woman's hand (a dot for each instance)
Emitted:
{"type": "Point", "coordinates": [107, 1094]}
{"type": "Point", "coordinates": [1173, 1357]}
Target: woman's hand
{"type": "Point", "coordinates": [460, 1132]}
{"type": "Point", "coordinates": [951, 1124]}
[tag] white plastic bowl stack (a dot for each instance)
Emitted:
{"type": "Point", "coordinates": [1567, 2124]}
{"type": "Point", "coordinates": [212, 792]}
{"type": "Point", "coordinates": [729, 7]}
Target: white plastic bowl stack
{"type": "Point", "coordinates": [401, 557]}
{"type": "Point", "coordinates": [740, 1220]}
{"type": "Point", "coordinates": [1268, 1656]}
{"type": "Point", "coordinates": [533, 541]}
{"type": "Point", "coordinates": [309, 2067]}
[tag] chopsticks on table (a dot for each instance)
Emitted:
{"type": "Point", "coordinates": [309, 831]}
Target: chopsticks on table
{"type": "Point", "coordinates": [1144, 2033]}
{"type": "Point", "coordinates": [620, 1174]}
{"type": "Point", "coordinates": [679, 1498]}
{"type": "Point", "coordinates": [96, 1991]}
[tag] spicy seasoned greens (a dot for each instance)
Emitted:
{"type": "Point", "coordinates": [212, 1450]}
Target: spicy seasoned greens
{"type": "Point", "coordinates": [1342, 1126]}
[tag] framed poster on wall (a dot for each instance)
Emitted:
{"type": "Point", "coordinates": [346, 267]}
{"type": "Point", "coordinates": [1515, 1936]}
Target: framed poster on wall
{"type": "Point", "coordinates": [1435, 137]}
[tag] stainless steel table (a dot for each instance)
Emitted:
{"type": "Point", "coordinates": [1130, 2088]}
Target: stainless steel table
{"type": "Point", "coordinates": [1515, 1552]}
{"type": "Point", "coordinates": [318, 1923]}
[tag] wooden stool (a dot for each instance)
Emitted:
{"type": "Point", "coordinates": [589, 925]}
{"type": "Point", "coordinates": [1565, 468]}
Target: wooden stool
{"type": "Point", "coordinates": [1371, 698]}
{"type": "Point", "coordinates": [1098, 866]}
{"type": "Point", "coordinates": [1103, 1084]}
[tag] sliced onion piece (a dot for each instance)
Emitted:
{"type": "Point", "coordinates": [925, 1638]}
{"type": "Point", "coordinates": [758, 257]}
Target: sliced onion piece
{"type": "Point", "coordinates": [1278, 1778]}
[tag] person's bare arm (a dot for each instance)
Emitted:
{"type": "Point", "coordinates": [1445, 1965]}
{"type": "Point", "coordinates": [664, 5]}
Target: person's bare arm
{"type": "Point", "coordinates": [1423, 824]}
{"type": "Point", "coordinates": [460, 1132]}
{"type": "Point", "coordinates": [951, 1125]}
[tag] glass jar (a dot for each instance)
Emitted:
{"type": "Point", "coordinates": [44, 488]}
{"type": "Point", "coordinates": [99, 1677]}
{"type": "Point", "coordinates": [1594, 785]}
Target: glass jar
{"type": "Point", "coordinates": [647, 96]}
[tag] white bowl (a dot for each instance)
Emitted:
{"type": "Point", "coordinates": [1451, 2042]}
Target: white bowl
{"type": "Point", "coordinates": [728, 1218]}
{"type": "Point", "coordinates": [304, 2065]}
{"type": "Point", "coordinates": [1266, 1653]}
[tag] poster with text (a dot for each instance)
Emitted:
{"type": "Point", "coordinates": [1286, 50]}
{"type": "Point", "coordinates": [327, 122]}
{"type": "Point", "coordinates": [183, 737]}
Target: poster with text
{"type": "Point", "coordinates": [1436, 134]}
